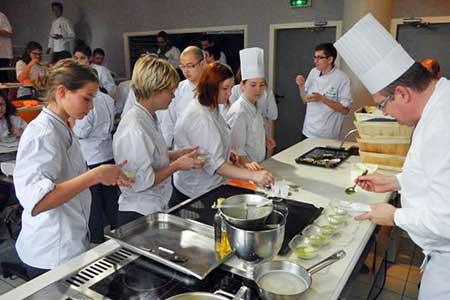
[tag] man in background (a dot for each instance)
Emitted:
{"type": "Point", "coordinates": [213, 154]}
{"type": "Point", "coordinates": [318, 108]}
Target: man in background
{"type": "Point", "coordinates": [166, 50]}
{"type": "Point", "coordinates": [61, 35]}
{"type": "Point", "coordinates": [6, 53]}
{"type": "Point", "coordinates": [206, 41]}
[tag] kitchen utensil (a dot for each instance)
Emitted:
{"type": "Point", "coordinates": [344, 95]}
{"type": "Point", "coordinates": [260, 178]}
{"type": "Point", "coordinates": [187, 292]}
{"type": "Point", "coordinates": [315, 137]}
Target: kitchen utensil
{"type": "Point", "coordinates": [287, 280]}
{"type": "Point", "coordinates": [351, 190]}
{"type": "Point", "coordinates": [242, 294]}
{"type": "Point", "coordinates": [254, 246]}
{"type": "Point", "coordinates": [243, 206]}
{"type": "Point", "coordinates": [250, 219]}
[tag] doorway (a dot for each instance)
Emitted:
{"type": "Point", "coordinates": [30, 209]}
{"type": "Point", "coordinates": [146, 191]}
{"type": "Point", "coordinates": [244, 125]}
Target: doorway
{"type": "Point", "coordinates": [291, 51]}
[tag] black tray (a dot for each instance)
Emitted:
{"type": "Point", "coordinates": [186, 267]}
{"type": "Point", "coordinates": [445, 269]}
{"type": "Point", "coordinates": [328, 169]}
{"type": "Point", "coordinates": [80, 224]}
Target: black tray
{"type": "Point", "coordinates": [323, 157]}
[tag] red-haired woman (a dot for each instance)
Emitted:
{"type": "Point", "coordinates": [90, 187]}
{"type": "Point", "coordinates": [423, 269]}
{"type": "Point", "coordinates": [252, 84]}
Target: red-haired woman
{"type": "Point", "coordinates": [201, 124]}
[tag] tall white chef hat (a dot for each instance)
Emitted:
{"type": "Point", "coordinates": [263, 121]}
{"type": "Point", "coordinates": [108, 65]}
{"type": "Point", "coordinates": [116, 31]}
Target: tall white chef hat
{"type": "Point", "coordinates": [252, 63]}
{"type": "Point", "coordinates": [373, 54]}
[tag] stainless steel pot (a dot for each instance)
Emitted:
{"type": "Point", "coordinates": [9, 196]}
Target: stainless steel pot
{"type": "Point", "coordinates": [287, 280]}
{"type": "Point", "coordinates": [256, 245]}
{"type": "Point", "coordinates": [242, 294]}
{"type": "Point", "coordinates": [251, 218]}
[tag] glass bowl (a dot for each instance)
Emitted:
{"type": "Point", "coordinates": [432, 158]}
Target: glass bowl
{"type": "Point", "coordinates": [303, 248]}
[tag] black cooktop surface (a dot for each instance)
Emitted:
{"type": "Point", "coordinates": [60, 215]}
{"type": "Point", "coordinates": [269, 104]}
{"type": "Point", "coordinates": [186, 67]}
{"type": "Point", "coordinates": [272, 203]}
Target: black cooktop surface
{"type": "Point", "coordinates": [145, 279]}
{"type": "Point", "coordinates": [300, 214]}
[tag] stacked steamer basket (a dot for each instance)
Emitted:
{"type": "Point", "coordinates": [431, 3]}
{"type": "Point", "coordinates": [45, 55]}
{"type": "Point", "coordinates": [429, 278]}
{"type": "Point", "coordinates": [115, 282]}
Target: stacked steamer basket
{"type": "Point", "coordinates": [383, 141]}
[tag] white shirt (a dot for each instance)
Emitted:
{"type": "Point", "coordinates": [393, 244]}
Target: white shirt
{"type": "Point", "coordinates": [139, 140]}
{"type": "Point", "coordinates": [173, 56]}
{"type": "Point", "coordinates": [50, 154]}
{"type": "Point", "coordinates": [16, 122]}
{"type": "Point", "coordinates": [204, 127]}
{"type": "Point", "coordinates": [121, 96]}
{"type": "Point", "coordinates": [105, 78]}
{"type": "Point", "coordinates": [425, 184]}
{"type": "Point", "coordinates": [266, 104]}
{"type": "Point", "coordinates": [321, 121]}
{"type": "Point", "coordinates": [63, 27]}
{"type": "Point", "coordinates": [5, 42]}
{"type": "Point", "coordinates": [223, 58]}
{"type": "Point", "coordinates": [94, 130]}
{"type": "Point", "coordinates": [247, 130]}
{"type": "Point", "coordinates": [129, 103]}
{"type": "Point", "coordinates": [184, 95]}
{"type": "Point", "coordinates": [36, 71]}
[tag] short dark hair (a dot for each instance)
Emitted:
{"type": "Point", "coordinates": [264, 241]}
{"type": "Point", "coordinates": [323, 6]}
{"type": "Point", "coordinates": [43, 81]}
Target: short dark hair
{"type": "Point", "coordinates": [206, 37]}
{"type": "Point", "coordinates": [208, 85]}
{"type": "Point", "coordinates": [328, 49]}
{"type": "Point", "coordinates": [213, 51]}
{"type": "Point", "coordinates": [30, 47]}
{"type": "Point", "coordinates": [416, 78]}
{"type": "Point", "coordinates": [98, 51]}
{"type": "Point", "coordinates": [85, 49]}
{"type": "Point", "coordinates": [58, 5]}
{"type": "Point", "coordinates": [432, 66]}
{"type": "Point", "coordinates": [163, 34]}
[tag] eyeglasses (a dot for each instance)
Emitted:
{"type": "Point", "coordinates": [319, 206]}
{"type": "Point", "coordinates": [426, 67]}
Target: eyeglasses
{"type": "Point", "coordinates": [319, 57]}
{"type": "Point", "coordinates": [190, 66]}
{"type": "Point", "coordinates": [37, 53]}
{"type": "Point", "coordinates": [383, 102]}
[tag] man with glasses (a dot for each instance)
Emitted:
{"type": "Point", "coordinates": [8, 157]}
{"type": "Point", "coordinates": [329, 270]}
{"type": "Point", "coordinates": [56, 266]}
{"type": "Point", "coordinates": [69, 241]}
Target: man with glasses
{"type": "Point", "coordinates": [405, 90]}
{"type": "Point", "coordinates": [326, 92]}
{"type": "Point", "coordinates": [192, 63]}
{"type": "Point", "coordinates": [166, 50]}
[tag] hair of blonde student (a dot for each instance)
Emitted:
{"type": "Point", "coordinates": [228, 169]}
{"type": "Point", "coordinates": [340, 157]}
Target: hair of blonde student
{"type": "Point", "coordinates": [152, 75]}
{"type": "Point", "coordinates": [70, 74]}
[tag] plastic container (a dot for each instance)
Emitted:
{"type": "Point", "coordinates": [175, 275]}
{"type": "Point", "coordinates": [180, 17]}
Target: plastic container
{"type": "Point", "coordinates": [27, 109]}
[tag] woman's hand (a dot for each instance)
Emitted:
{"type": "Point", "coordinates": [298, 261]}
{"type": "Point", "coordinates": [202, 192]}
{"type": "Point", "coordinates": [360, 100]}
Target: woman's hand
{"type": "Point", "coordinates": [113, 175]}
{"type": "Point", "coordinates": [253, 166]}
{"type": "Point", "coordinates": [262, 177]}
{"type": "Point", "coordinates": [378, 183]}
{"type": "Point", "coordinates": [189, 161]}
{"type": "Point", "coordinates": [381, 214]}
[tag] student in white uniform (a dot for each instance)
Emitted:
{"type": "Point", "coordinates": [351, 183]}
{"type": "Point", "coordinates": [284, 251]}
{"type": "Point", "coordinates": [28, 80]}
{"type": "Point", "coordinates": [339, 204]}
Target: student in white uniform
{"type": "Point", "coordinates": [166, 50]}
{"type": "Point", "coordinates": [206, 41]}
{"type": "Point", "coordinates": [61, 36]}
{"type": "Point", "coordinates": [104, 74]}
{"type": "Point", "coordinates": [30, 69]}
{"type": "Point", "coordinates": [248, 137]}
{"type": "Point", "coordinates": [139, 140]}
{"type": "Point", "coordinates": [6, 51]}
{"type": "Point", "coordinates": [51, 177]}
{"type": "Point", "coordinates": [405, 90]}
{"type": "Point", "coordinates": [201, 124]}
{"type": "Point", "coordinates": [94, 133]}
{"type": "Point", "coordinates": [327, 95]}
{"type": "Point", "coordinates": [192, 65]}
{"type": "Point", "coordinates": [10, 124]}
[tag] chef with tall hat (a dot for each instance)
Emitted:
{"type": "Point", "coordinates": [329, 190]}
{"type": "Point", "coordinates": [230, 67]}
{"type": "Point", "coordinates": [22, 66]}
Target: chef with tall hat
{"type": "Point", "coordinates": [248, 138]}
{"type": "Point", "coordinates": [405, 90]}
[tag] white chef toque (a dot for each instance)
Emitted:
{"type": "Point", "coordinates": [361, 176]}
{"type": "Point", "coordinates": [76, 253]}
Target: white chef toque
{"type": "Point", "coordinates": [375, 57]}
{"type": "Point", "coordinates": [252, 63]}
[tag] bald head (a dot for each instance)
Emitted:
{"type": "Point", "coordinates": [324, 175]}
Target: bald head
{"type": "Point", "coordinates": [194, 51]}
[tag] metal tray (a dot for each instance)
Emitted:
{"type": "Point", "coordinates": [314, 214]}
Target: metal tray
{"type": "Point", "coordinates": [184, 245]}
{"type": "Point", "coordinates": [325, 157]}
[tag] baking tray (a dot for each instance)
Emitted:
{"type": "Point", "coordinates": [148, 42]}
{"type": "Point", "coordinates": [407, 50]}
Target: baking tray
{"type": "Point", "coordinates": [325, 157]}
{"type": "Point", "coordinates": [182, 244]}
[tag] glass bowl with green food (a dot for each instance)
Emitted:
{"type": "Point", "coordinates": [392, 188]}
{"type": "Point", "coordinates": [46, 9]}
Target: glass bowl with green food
{"type": "Point", "coordinates": [302, 247]}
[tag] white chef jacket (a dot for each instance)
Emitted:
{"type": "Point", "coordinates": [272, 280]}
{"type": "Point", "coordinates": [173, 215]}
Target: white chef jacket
{"type": "Point", "coordinates": [204, 127]}
{"type": "Point", "coordinates": [5, 42]}
{"type": "Point", "coordinates": [247, 130]}
{"type": "Point", "coordinates": [184, 95]}
{"type": "Point", "coordinates": [36, 71]}
{"type": "Point", "coordinates": [16, 122]}
{"type": "Point", "coordinates": [94, 130]}
{"type": "Point", "coordinates": [129, 103]}
{"type": "Point", "coordinates": [266, 104]}
{"type": "Point", "coordinates": [173, 56]}
{"type": "Point", "coordinates": [50, 154]}
{"type": "Point", "coordinates": [121, 96]}
{"type": "Point", "coordinates": [139, 140]}
{"type": "Point", "coordinates": [105, 78]}
{"type": "Point", "coordinates": [321, 121]}
{"type": "Point", "coordinates": [425, 189]}
{"type": "Point", "coordinates": [63, 27]}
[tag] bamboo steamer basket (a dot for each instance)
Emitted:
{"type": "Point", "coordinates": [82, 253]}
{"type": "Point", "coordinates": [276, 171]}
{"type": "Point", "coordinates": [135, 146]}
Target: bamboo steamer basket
{"type": "Point", "coordinates": [383, 129]}
{"type": "Point", "coordinates": [392, 145]}
{"type": "Point", "coordinates": [386, 161]}
{"type": "Point", "coordinates": [370, 112]}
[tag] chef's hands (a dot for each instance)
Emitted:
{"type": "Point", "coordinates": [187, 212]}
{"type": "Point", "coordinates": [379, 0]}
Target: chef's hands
{"type": "Point", "coordinates": [378, 183]}
{"type": "Point", "coordinates": [381, 214]}
{"type": "Point", "coordinates": [300, 81]}
{"type": "Point", "coordinates": [253, 166]}
{"type": "Point", "coordinates": [315, 97]}
{"type": "Point", "coordinates": [189, 160]}
{"type": "Point", "coordinates": [262, 177]}
{"type": "Point", "coordinates": [270, 143]}
{"type": "Point", "coordinates": [112, 175]}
